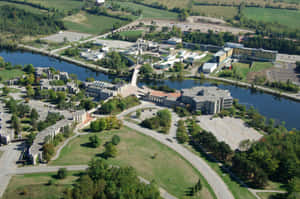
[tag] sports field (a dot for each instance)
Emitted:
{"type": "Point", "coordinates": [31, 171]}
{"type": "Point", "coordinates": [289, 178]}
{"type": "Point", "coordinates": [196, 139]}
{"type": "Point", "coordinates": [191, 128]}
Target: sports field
{"type": "Point", "coordinates": [289, 18]}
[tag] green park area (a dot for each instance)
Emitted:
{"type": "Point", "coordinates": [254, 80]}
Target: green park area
{"type": "Point", "coordinates": [131, 33]}
{"type": "Point", "coordinates": [93, 24]}
{"type": "Point", "coordinates": [37, 186]}
{"type": "Point", "coordinates": [151, 159]}
{"type": "Point", "coordinates": [10, 74]}
{"type": "Point", "coordinates": [148, 12]}
{"type": "Point", "coordinates": [57, 4]}
{"type": "Point", "coordinates": [24, 7]}
{"type": "Point", "coordinates": [289, 18]}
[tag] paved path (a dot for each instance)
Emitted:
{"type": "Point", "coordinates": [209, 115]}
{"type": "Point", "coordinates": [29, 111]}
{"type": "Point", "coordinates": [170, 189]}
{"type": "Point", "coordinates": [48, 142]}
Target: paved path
{"type": "Point", "coordinates": [219, 187]}
{"type": "Point", "coordinates": [255, 191]}
{"type": "Point", "coordinates": [44, 169]}
{"type": "Point", "coordinates": [8, 164]}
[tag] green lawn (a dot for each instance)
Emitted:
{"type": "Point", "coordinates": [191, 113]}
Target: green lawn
{"type": "Point", "coordinates": [10, 74]}
{"type": "Point", "coordinates": [92, 24]}
{"type": "Point", "coordinates": [149, 12]}
{"type": "Point", "coordinates": [242, 69]}
{"type": "Point", "coordinates": [286, 17]}
{"type": "Point", "coordinates": [131, 33]}
{"type": "Point", "coordinates": [267, 195]}
{"type": "Point", "coordinates": [238, 191]}
{"type": "Point", "coordinates": [168, 169]}
{"type": "Point", "coordinates": [34, 186]}
{"type": "Point", "coordinates": [258, 66]}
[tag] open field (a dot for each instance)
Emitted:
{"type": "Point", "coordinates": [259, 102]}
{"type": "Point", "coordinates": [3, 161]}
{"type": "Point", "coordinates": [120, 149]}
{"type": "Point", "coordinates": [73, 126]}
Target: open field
{"type": "Point", "coordinates": [149, 12]}
{"type": "Point", "coordinates": [25, 7]}
{"type": "Point", "coordinates": [289, 18]}
{"type": "Point", "coordinates": [137, 150]}
{"type": "Point", "coordinates": [215, 11]}
{"type": "Point", "coordinates": [66, 35]}
{"type": "Point", "coordinates": [91, 24]}
{"type": "Point", "coordinates": [34, 186]}
{"type": "Point", "coordinates": [230, 130]}
{"type": "Point", "coordinates": [10, 74]}
{"type": "Point", "coordinates": [58, 4]}
{"type": "Point", "coordinates": [258, 66]}
{"type": "Point", "coordinates": [242, 69]}
{"type": "Point", "coordinates": [131, 33]}
{"type": "Point", "coordinates": [266, 195]}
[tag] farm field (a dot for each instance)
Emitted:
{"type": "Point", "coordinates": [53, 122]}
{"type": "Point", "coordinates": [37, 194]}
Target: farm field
{"type": "Point", "coordinates": [149, 12]}
{"type": "Point", "coordinates": [92, 24]}
{"type": "Point", "coordinates": [146, 155]}
{"type": "Point", "coordinates": [215, 11]}
{"type": "Point", "coordinates": [289, 18]}
{"type": "Point", "coordinates": [35, 186]}
{"type": "Point", "coordinates": [24, 7]}
{"type": "Point", "coordinates": [58, 4]}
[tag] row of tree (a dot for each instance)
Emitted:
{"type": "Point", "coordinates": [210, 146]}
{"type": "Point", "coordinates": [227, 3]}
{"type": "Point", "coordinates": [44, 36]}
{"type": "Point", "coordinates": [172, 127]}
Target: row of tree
{"type": "Point", "coordinates": [162, 121]}
{"type": "Point", "coordinates": [106, 123]}
{"type": "Point", "coordinates": [118, 104]}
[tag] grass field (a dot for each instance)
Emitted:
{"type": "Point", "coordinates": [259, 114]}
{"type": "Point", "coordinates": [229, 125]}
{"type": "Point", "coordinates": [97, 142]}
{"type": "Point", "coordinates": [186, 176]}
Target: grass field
{"type": "Point", "coordinates": [92, 24]}
{"type": "Point", "coordinates": [242, 69]}
{"type": "Point", "coordinates": [34, 186]}
{"type": "Point", "coordinates": [216, 11]}
{"type": "Point", "coordinates": [58, 4]}
{"type": "Point", "coordinates": [289, 18]}
{"type": "Point", "coordinates": [168, 169]}
{"type": "Point", "coordinates": [266, 195]}
{"type": "Point", "coordinates": [10, 74]}
{"type": "Point", "coordinates": [149, 12]}
{"type": "Point", "coordinates": [258, 66]}
{"type": "Point", "coordinates": [25, 7]}
{"type": "Point", "coordinates": [131, 33]}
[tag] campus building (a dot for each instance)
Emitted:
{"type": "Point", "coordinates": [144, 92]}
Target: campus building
{"type": "Point", "coordinates": [209, 100]}
{"type": "Point", "coordinates": [252, 54]}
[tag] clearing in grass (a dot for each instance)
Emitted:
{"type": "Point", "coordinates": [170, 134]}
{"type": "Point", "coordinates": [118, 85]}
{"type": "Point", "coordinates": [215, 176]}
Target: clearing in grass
{"type": "Point", "coordinates": [10, 74]}
{"type": "Point", "coordinates": [151, 159]}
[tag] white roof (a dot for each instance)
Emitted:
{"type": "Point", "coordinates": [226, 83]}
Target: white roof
{"type": "Point", "coordinates": [100, 1]}
{"type": "Point", "coordinates": [208, 66]}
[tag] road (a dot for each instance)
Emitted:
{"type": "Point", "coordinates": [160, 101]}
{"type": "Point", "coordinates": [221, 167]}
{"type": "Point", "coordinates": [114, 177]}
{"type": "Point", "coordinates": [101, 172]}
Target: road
{"type": "Point", "coordinates": [219, 187]}
{"type": "Point", "coordinates": [8, 164]}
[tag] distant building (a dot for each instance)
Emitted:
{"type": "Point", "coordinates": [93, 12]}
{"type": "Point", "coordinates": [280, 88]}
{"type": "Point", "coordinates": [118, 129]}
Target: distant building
{"type": "Point", "coordinates": [209, 67]}
{"type": "Point", "coordinates": [174, 41]}
{"type": "Point", "coordinates": [100, 2]}
{"type": "Point", "coordinates": [252, 54]}
{"type": "Point", "coordinates": [209, 100]}
{"type": "Point", "coordinates": [101, 90]}
{"type": "Point", "coordinates": [223, 55]}
{"type": "Point", "coordinates": [163, 98]}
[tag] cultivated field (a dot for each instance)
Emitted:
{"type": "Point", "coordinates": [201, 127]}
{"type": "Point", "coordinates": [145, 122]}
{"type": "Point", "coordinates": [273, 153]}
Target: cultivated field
{"type": "Point", "coordinates": [58, 4]}
{"type": "Point", "coordinates": [91, 24]}
{"type": "Point", "coordinates": [230, 130]}
{"type": "Point", "coordinates": [149, 12]}
{"type": "Point", "coordinates": [216, 11]}
{"type": "Point", "coordinates": [25, 7]}
{"type": "Point", "coordinates": [285, 17]}
{"type": "Point", "coordinates": [167, 168]}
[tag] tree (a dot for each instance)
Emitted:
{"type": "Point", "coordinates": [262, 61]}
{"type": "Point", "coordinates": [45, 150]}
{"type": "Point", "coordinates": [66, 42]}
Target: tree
{"type": "Point", "coordinates": [115, 140]}
{"type": "Point", "coordinates": [30, 138]}
{"type": "Point", "coordinates": [48, 151]}
{"type": "Point", "coordinates": [181, 134]}
{"type": "Point", "coordinates": [5, 90]}
{"type": "Point", "coordinates": [16, 124]}
{"type": "Point", "coordinates": [183, 15]}
{"type": "Point", "coordinates": [110, 150]}
{"type": "Point", "coordinates": [298, 66]}
{"type": "Point", "coordinates": [34, 114]}
{"type": "Point", "coordinates": [94, 141]}
{"type": "Point", "coordinates": [138, 113]}
{"type": "Point", "coordinates": [30, 91]}
{"type": "Point", "coordinates": [62, 173]}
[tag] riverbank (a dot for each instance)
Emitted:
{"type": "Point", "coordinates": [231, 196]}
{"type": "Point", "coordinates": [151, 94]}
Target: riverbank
{"type": "Point", "coordinates": [295, 97]}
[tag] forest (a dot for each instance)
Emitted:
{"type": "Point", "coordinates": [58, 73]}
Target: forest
{"type": "Point", "coordinates": [20, 22]}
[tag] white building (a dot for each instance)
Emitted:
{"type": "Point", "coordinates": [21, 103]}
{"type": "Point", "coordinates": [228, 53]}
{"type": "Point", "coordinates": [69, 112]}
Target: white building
{"type": "Point", "coordinates": [100, 2]}
{"type": "Point", "coordinates": [174, 40]}
{"type": "Point", "coordinates": [209, 67]}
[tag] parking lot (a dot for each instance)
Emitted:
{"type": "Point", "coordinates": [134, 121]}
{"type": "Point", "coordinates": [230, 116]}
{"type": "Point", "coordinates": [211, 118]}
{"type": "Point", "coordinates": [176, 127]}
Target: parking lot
{"type": "Point", "coordinates": [230, 130]}
{"type": "Point", "coordinates": [66, 35]}
{"type": "Point", "coordinates": [283, 72]}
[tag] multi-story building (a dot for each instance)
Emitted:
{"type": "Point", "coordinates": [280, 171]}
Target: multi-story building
{"type": "Point", "coordinates": [102, 90]}
{"type": "Point", "coordinates": [209, 100]}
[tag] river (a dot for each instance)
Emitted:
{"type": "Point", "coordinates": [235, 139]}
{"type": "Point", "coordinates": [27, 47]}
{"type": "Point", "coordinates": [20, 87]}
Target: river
{"type": "Point", "coordinates": [280, 109]}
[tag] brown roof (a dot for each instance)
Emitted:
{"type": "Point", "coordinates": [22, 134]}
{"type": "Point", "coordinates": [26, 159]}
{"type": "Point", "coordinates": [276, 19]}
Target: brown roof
{"type": "Point", "coordinates": [164, 94]}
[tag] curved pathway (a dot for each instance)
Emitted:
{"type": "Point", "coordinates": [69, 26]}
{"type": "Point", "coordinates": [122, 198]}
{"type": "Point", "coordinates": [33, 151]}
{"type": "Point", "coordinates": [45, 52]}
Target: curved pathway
{"type": "Point", "coordinates": [219, 187]}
